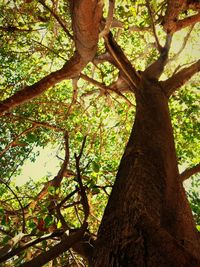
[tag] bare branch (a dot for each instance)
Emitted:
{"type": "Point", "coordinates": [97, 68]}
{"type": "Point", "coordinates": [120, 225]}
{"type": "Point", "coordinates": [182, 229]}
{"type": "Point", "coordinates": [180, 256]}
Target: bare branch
{"type": "Point", "coordinates": [183, 44]}
{"type": "Point", "coordinates": [105, 89]}
{"type": "Point", "coordinates": [124, 65]}
{"type": "Point", "coordinates": [56, 17]}
{"type": "Point", "coordinates": [22, 247]}
{"type": "Point", "coordinates": [74, 96]}
{"type": "Point", "coordinates": [171, 20]}
{"type": "Point", "coordinates": [56, 181]}
{"type": "Point", "coordinates": [191, 20]}
{"type": "Point", "coordinates": [109, 19]}
{"type": "Point", "coordinates": [66, 243]}
{"type": "Point", "coordinates": [67, 197]}
{"type": "Point", "coordinates": [189, 172]}
{"type": "Point", "coordinates": [35, 123]}
{"type": "Point", "coordinates": [84, 199]}
{"type": "Point", "coordinates": [20, 204]}
{"type": "Point", "coordinates": [159, 47]}
{"type": "Point", "coordinates": [16, 29]}
{"type": "Point", "coordinates": [156, 68]}
{"type": "Point", "coordinates": [180, 78]}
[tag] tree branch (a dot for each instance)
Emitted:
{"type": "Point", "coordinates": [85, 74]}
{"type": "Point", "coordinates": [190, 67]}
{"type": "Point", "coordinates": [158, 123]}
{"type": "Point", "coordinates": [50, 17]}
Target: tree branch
{"type": "Point", "coordinates": [174, 8]}
{"type": "Point", "coordinates": [84, 199]}
{"type": "Point", "coordinates": [172, 13]}
{"type": "Point", "coordinates": [109, 19]}
{"type": "Point", "coordinates": [189, 172]}
{"type": "Point", "coordinates": [17, 250]}
{"type": "Point", "coordinates": [85, 21]}
{"type": "Point", "coordinates": [156, 68]}
{"type": "Point", "coordinates": [183, 45]}
{"type": "Point", "coordinates": [159, 47]}
{"type": "Point", "coordinates": [20, 204]}
{"type": "Point", "coordinates": [13, 143]}
{"type": "Point", "coordinates": [56, 181]}
{"type": "Point", "coordinates": [180, 78]}
{"type": "Point", "coordinates": [121, 61]}
{"type": "Point", "coordinates": [66, 243]}
{"type": "Point", "coordinates": [42, 2]}
{"type": "Point", "coordinates": [191, 20]}
{"type": "Point", "coordinates": [69, 70]}
{"type": "Point", "coordinates": [104, 88]}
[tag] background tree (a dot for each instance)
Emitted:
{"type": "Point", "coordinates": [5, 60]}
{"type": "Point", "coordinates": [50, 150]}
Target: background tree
{"type": "Point", "coordinates": [74, 75]}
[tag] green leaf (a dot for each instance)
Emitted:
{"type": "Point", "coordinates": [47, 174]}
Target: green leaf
{"type": "Point", "coordinates": [31, 224]}
{"type": "Point", "coordinates": [59, 224]}
{"type": "Point", "coordinates": [51, 190]}
{"type": "Point", "coordinates": [198, 228]}
{"type": "Point", "coordinates": [5, 240]}
{"type": "Point", "coordinates": [3, 221]}
{"type": "Point", "coordinates": [96, 190]}
{"type": "Point", "coordinates": [95, 166]}
{"type": "Point", "coordinates": [44, 244]}
{"type": "Point", "coordinates": [48, 220]}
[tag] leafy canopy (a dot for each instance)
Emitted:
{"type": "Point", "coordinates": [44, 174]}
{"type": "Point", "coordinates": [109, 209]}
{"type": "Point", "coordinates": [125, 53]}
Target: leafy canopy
{"type": "Point", "coordinates": [88, 118]}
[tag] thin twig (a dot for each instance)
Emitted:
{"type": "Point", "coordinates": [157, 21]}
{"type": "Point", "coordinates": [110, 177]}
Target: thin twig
{"type": "Point", "coordinates": [103, 88]}
{"type": "Point", "coordinates": [159, 47]}
{"type": "Point", "coordinates": [84, 199]}
{"type": "Point", "coordinates": [183, 45]}
{"type": "Point", "coordinates": [49, 49]}
{"type": "Point", "coordinates": [56, 17]}
{"type": "Point", "coordinates": [109, 19]}
{"type": "Point", "coordinates": [20, 204]}
{"type": "Point", "coordinates": [13, 143]}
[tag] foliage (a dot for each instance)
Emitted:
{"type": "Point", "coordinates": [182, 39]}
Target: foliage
{"type": "Point", "coordinates": [34, 44]}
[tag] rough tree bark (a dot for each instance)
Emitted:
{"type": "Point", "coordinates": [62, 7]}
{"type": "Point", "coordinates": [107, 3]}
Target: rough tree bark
{"type": "Point", "coordinates": [147, 221]}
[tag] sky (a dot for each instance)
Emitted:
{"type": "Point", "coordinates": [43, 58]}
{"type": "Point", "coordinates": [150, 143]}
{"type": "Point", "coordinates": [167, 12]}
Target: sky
{"type": "Point", "coordinates": [46, 163]}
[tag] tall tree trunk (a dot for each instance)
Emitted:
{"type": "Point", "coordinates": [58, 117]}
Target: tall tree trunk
{"type": "Point", "coordinates": [147, 221]}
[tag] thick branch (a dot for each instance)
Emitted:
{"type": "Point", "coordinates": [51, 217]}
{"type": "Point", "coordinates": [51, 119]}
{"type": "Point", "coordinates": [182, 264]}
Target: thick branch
{"type": "Point", "coordinates": [189, 172]}
{"type": "Point", "coordinates": [156, 68]}
{"type": "Point", "coordinates": [85, 20]}
{"type": "Point", "coordinates": [172, 13]}
{"type": "Point", "coordinates": [69, 70]}
{"type": "Point", "coordinates": [86, 16]}
{"type": "Point", "coordinates": [171, 19]}
{"type": "Point", "coordinates": [191, 20]}
{"type": "Point", "coordinates": [180, 78]}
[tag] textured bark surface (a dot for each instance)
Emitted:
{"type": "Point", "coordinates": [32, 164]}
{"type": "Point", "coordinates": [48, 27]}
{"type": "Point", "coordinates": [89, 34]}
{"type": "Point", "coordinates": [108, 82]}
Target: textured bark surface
{"type": "Point", "coordinates": [147, 221]}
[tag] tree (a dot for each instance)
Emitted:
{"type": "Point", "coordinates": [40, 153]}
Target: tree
{"type": "Point", "coordinates": [147, 221]}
